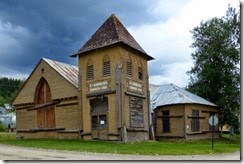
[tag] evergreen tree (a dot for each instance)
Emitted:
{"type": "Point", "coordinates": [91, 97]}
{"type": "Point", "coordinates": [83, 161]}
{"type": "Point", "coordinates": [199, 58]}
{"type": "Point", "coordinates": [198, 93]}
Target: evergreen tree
{"type": "Point", "coordinates": [216, 72]}
{"type": "Point", "coordinates": [8, 89]}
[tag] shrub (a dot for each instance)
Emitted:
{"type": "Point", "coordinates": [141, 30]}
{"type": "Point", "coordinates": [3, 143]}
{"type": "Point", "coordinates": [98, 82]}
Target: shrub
{"type": "Point", "coordinates": [2, 128]}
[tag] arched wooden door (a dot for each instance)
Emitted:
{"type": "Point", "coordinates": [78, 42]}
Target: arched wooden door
{"type": "Point", "coordinates": [45, 114]}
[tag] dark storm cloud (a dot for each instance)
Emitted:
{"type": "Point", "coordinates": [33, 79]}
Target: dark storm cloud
{"type": "Point", "coordinates": [55, 29]}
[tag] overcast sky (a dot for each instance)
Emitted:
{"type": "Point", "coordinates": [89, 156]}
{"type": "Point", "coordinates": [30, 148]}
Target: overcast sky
{"type": "Point", "coordinates": [55, 29]}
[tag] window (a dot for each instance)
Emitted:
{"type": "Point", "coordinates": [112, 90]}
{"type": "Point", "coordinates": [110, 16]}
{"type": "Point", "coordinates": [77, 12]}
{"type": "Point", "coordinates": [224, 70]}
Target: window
{"type": "Point", "coordinates": [99, 108]}
{"type": "Point", "coordinates": [94, 122]}
{"type": "Point", "coordinates": [195, 123]}
{"type": "Point", "coordinates": [99, 121]}
{"type": "Point", "coordinates": [166, 121]}
{"type": "Point", "coordinates": [140, 73]}
{"type": "Point", "coordinates": [102, 121]}
{"type": "Point", "coordinates": [129, 70]}
{"type": "Point", "coordinates": [106, 66]}
{"type": "Point", "coordinates": [89, 73]}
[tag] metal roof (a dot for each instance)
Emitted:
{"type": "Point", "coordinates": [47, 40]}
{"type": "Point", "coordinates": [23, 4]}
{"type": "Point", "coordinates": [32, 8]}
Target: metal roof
{"type": "Point", "coordinates": [69, 72]}
{"type": "Point", "coordinates": [168, 94]}
{"type": "Point", "coordinates": [111, 32]}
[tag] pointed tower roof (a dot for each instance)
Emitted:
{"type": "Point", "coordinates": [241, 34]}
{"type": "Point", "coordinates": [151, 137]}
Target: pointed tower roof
{"type": "Point", "coordinates": [111, 32]}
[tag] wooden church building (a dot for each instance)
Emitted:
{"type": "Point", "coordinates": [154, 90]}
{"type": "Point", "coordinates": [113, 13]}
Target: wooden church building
{"type": "Point", "coordinates": [105, 98]}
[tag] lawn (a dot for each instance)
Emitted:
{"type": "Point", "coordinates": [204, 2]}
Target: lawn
{"type": "Point", "coordinates": [182, 147]}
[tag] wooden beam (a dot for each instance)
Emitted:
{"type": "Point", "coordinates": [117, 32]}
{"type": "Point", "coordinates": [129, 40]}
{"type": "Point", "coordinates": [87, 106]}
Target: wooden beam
{"type": "Point", "coordinates": [196, 117]}
{"type": "Point", "coordinates": [135, 94]}
{"type": "Point", "coordinates": [100, 93]}
{"type": "Point", "coordinates": [180, 116]}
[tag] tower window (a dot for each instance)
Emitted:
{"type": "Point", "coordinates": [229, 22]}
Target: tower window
{"type": "Point", "coordinates": [106, 66]}
{"type": "Point", "coordinates": [90, 70]}
{"type": "Point", "coordinates": [129, 70]}
{"type": "Point", "coordinates": [140, 77]}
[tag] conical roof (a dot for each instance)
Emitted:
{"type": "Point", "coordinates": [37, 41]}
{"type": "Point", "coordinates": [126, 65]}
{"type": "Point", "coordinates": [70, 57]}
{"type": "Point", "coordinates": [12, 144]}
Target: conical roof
{"type": "Point", "coordinates": [111, 32]}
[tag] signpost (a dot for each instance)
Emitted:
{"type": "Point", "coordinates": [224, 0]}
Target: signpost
{"type": "Point", "coordinates": [213, 120]}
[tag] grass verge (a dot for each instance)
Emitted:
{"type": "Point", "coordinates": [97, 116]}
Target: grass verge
{"type": "Point", "coordinates": [183, 147]}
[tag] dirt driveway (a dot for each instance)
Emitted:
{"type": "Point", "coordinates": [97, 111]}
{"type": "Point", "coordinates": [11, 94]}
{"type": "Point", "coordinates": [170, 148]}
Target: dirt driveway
{"type": "Point", "coordinates": [8, 152]}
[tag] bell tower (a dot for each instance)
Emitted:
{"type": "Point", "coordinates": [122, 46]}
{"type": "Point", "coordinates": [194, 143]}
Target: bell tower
{"type": "Point", "coordinates": [114, 90]}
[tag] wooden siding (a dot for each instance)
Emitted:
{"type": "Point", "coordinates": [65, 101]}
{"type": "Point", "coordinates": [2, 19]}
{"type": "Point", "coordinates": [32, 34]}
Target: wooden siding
{"type": "Point", "coordinates": [181, 120]}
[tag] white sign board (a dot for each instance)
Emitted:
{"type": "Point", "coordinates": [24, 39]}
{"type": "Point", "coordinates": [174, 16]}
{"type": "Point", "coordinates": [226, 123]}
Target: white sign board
{"type": "Point", "coordinates": [213, 120]}
{"type": "Point", "coordinates": [98, 86]}
{"type": "Point", "coordinates": [135, 86]}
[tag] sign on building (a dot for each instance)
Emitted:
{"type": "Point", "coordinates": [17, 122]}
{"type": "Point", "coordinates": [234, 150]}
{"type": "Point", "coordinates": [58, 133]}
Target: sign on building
{"type": "Point", "coordinates": [98, 86]}
{"type": "Point", "coordinates": [135, 86]}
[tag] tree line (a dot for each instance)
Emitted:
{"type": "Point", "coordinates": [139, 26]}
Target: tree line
{"type": "Point", "coordinates": [8, 89]}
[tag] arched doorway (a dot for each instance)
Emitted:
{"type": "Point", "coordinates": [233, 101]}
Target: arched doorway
{"type": "Point", "coordinates": [45, 112]}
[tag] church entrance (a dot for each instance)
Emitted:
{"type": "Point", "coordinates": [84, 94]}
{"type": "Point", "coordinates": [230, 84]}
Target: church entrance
{"type": "Point", "coordinates": [46, 111]}
{"type": "Point", "coordinates": [99, 109]}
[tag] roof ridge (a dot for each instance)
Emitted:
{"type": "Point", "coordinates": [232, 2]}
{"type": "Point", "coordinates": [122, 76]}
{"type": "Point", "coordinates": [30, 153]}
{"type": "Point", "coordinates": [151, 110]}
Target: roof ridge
{"type": "Point", "coordinates": [59, 62]}
{"type": "Point", "coordinates": [184, 92]}
{"type": "Point", "coordinates": [116, 25]}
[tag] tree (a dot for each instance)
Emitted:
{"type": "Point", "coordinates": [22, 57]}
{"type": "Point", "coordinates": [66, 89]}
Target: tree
{"type": "Point", "coordinates": [216, 71]}
{"type": "Point", "coordinates": [8, 89]}
{"type": "Point", "coordinates": [2, 101]}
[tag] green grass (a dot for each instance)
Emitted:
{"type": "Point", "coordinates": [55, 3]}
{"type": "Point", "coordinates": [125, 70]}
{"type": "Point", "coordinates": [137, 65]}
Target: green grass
{"type": "Point", "coordinates": [182, 147]}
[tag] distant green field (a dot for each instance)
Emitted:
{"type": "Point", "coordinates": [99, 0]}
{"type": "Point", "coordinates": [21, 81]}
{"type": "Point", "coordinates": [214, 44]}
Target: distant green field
{"type": "Point", "coordinates": [181, 147]}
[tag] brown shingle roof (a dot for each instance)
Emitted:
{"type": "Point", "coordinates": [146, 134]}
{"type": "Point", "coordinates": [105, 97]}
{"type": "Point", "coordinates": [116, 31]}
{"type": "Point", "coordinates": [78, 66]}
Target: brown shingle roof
{"type": "Point", "coordinates": [111, 32]}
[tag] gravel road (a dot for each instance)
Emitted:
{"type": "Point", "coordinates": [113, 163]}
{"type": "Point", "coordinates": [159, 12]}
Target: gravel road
{"type": "Point", "coordinates": [8, 152]}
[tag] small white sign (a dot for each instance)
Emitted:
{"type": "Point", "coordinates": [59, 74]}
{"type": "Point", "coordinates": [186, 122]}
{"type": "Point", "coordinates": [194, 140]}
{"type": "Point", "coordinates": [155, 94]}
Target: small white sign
{"type": "Point", "coordinates": [213, 120]}
{"type": "Point", "coordinates": [135, 86]}
{"type": "Point", "coordinates": [102, 122]}
{"type": "Point", "coordinates": [98, 86]}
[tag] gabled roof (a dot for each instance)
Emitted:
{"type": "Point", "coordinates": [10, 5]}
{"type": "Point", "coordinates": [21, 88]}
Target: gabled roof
{"type": "Point", "coordinates": [111, 32]}
{"type": "Point", "coordinates": [69, 72]}
{"type": "Point", "coordinates": [169, 94]}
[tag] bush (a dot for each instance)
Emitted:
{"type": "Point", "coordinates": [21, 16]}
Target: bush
{"type": "Point", "coordinates": [2, 128]}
